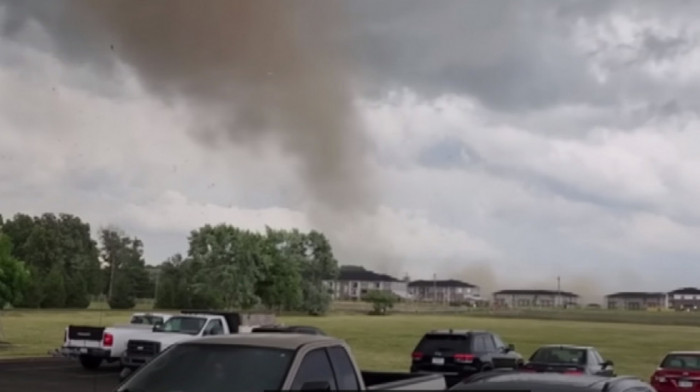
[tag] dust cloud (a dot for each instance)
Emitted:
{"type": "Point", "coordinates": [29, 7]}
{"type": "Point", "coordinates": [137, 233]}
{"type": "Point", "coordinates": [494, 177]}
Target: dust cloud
{"type": "Point", "coordinates": [253, 71]}
{"type": "Point", "coordinates": [483, 274]}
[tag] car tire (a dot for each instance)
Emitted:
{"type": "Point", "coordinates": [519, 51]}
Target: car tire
{"type": "Point", "coordinates": [90, 363]}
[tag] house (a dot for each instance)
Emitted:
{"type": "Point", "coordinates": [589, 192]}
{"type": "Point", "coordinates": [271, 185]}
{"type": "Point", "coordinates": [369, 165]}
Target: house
{"type": "Point", "coordinates": [445, 291]}
{"type": "Point", "coordinates": [354, 282]}
{"type": "Point", "coordinates": [636, 300]}
{"type": "Point", "coordinates": [685, 298]}
{"type": "Point", "coordinates": [534, 298]}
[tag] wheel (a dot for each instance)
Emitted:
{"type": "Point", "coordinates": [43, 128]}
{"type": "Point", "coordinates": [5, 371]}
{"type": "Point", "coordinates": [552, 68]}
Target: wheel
{"type": "Point", "coordinates": [90, 363]}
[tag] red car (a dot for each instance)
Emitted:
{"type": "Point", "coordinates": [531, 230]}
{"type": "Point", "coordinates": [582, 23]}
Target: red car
{"type": "Point", "coordinates": [679, 371]}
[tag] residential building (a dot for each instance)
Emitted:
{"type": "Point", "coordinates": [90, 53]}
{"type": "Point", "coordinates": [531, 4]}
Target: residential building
{"type": "Point", "coordinates": [534, 298]}
{"type": "Point", "coordinates": [685, 298]}
{"type": "Point", "coordinates": [354, 282]}
{"type": "Point", "coordinates": [445, 291]}
{"type": "Point", "coordinates": [636, 301]}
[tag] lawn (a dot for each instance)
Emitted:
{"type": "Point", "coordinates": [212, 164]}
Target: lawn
{"type": "Point", "coordinates": [385, 342]}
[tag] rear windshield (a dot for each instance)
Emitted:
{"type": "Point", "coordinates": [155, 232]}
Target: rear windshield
{"type": "Point", "coordinates": [145, 319]}
{"type": "Point", "coordinates": [213, 368]}
{"type": "Point", "coordinates": [444, 343]}
{"type": "Point", "coordinates": [564, 355]}
{"type": "Point", "coordinates": [681, 361]}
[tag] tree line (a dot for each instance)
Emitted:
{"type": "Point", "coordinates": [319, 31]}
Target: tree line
{"type": "Point", "coordinates": [51, 261]}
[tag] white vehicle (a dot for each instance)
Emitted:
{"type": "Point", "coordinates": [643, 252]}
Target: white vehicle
{"type": "Point", "coordinates": [95, 345]}
{"type": "Point", "coordinates": [189, 325]}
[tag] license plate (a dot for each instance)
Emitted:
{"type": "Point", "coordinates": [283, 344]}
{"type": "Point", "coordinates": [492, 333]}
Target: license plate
{"type": "Point", "coordinates": [685, 384]}
{"type": "Point", "coordinates": [83, 351]}
{"type": "Point", "coordinates": [438, 361]}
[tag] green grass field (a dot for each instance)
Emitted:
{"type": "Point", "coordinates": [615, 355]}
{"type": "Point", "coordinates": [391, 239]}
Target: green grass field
{"type": "Point", "coordinates": [385, 342]}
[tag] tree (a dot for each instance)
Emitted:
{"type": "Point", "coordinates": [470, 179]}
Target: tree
{"type": "Point", "coordinates": [381, 301]}
{"type": "Point", "coordinates": [280, 289]}
{"type": "Point", "coordinates": [319, 265]}
{"type": "Point", "coordinates": [53, 289]}
{"type": "Point", "coordinates": [14, 275]}
{"type": "Point", "coordinates": [229, 264]}
{"type": "Point", "coordinates": [126, 268]}
{"type": "Point", "coordinates": [51, 242]}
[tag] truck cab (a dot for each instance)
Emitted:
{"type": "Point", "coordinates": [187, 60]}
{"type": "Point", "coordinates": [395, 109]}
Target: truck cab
{"type": "Point", "coordinates": [189, 325]}
{"type": "Point", "coordinates": [266, 362]}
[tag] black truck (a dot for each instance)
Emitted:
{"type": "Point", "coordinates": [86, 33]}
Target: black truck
{"type": "Point", "coordinates": [460, 353]}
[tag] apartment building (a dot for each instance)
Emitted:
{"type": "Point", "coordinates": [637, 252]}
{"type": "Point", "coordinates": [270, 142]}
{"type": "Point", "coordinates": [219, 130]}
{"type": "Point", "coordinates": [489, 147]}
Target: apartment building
{"type": "Point", "coordinates": [534, 299]}
{"type": "Point", "coordinates": [354, 282]}
{"type": "Point", "coordinates": [685, 299]}
{"type": "Point", "coordinates": [444, 291]}
{"type": "Point", "coordinates": [635, 300]}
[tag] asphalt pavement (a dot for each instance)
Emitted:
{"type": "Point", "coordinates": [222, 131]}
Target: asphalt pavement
{"type": "Point", "coordinates": [55, 375]}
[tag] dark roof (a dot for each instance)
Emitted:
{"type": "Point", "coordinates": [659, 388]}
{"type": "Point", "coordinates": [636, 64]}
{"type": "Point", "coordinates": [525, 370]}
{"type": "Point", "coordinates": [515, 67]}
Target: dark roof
{"type": "Point", "coordinates": [440, 283]}
{"type": "Point", "coordinates": [537, 292]}
{"type": "Point", "coordinates": [454, 331]}
{"type": "Point", "coordinates": [635, 294]}
{"type": "Point", "coordinates": [352, 272]}
{"type": "Point", "coordinates": [685, 290]}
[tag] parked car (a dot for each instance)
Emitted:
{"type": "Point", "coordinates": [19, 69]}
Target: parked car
{"type": "Point", "coordinates": [460, 353]}
{"type": "Point", "coordinates": [509, 381]}
{"type": "Point", "coordinates": [188, 325]}
{"type": "Point", "coordinates": [289, 329]}
{"type": "Point", "coordinates": [570, 359]}
{"type": "Point", "coordinates": [94, 345]}
{"type": "Point", "coordinates": [678, 371]}
{"type": "Point", "coordinates": [267, 362]}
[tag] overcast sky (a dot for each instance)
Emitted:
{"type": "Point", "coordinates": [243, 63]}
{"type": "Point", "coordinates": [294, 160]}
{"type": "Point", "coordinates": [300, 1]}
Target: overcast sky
{"type": "Point", "coordinates": [502, 143]}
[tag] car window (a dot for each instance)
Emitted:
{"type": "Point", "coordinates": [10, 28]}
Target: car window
{"type": "Point", "coordinates": [215, 327]}
{"type": "Point", "coordinates": [489, 343]}
{"type": "Point", "coordinates": [596, 358]}
{"type": "Point", "coordinates": [205, 367]}
{"type": "Point", "coordinates": [498, 341]}
{"type": "Point", "coordinates": [681, 361]}
{"type": "Point", "coordinates": [344, 369]}
{"type": "Point", "coordinates": [445, 343]}
{"type": "Point", "coordinates": [560, 355]}
{"type": "Point", "coordinates": [479, 344]}
{"type": "Point", "coordinates": [315, 367]}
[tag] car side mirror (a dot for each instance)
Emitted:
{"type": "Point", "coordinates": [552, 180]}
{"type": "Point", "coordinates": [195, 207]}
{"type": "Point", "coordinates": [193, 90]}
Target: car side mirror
{"type": "Point", "coordinates": [510, 347]}
{"type": "Point", "coordinates": [125, 373]}
{"type": "Point", "coordinates": [157, 327]}
{"type": "Point", "coordinates": [608, 363]}
{"type": "Point", "coordinates": [316, 386]}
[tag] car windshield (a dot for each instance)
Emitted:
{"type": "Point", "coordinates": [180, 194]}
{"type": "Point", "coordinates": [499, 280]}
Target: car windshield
{"type": "Point", "coordinates": [568, 355]}
{"type": "Point", "coordinates": [682, 361]}
{"type": "Point", "coordinates": [188, 325]}
{"type": "Point", "coordinates": [213, 368]}
{"type": "Point", "coordinates": [146, 319]}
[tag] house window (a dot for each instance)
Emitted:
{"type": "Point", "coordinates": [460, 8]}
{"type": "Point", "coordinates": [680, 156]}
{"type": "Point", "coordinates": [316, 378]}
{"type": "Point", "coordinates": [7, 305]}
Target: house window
{"type": "Point", "coordinates": [458, 290]}
{"type": "Point", "coordinates": [523, 302]}
{"type": "Point", "coordinates": [378, 285]}
{"type": "Point", "coordinates": [677, 296]}
{"type": "Point", "coordinates": [688, 297]}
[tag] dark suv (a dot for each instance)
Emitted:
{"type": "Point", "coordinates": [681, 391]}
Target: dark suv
{"type": "Point", "coordinates": [462, 352]}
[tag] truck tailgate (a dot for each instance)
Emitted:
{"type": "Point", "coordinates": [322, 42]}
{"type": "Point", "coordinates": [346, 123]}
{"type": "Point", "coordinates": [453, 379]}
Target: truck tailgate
{"type": "Point", "coordinates": [399, 381]}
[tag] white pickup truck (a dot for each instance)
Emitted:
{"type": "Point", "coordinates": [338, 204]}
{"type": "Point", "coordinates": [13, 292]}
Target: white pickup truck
{"type": "Point", "coordinates": [95, 345]}
{"type": "Point", "coordinates": [188, 325]}
{"type": "Point", "coordinates": [267, 362]}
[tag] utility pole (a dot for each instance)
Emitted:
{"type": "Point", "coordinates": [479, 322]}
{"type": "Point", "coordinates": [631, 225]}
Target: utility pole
{"type": "Point", "coordinates": [435, 288]}
{"type": "Point", "coordinates": [559, 291]}
{"type": "Point", "coordinates": [111, 277]}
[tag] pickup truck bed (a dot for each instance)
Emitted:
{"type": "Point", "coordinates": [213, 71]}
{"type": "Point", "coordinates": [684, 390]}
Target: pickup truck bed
{"type": "Point", "coordinates": [397, 381]}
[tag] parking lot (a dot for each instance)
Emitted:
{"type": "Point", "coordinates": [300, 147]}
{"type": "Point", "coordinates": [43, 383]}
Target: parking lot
{"type": "Point", "coordinates": [56, 375]}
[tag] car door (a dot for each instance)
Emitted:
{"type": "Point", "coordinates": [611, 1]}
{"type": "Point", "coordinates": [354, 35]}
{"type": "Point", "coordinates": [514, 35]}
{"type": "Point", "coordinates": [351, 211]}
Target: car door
{"type": "Point", "coordinates": [214, 327]}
